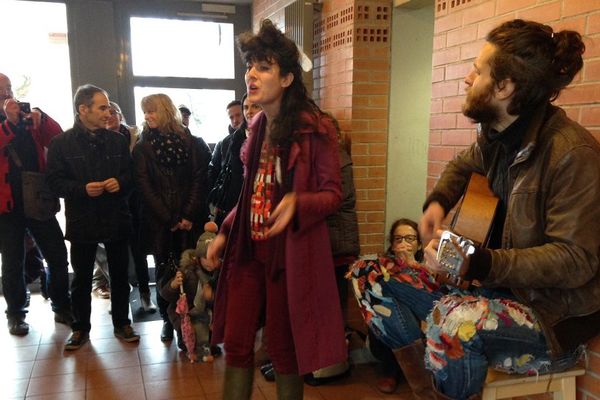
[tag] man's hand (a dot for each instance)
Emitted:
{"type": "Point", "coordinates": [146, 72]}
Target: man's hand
{"type": "Point", "coordinates": [430, 255]}
{"type": "Point", "coordinates": [214, 253]}
{"type": "Point", "coordinates": [431, 221]}
{"type": "Point", "coordinates": [282, 215]}
{"type": "Point", "coordinates": [12, 111]}
{"type": "Point", "coordinates": [111, 185]}
{"type": "Point", "coordinates": [36, 118]}
{"type": "Point", "coordinates": [94, 189]}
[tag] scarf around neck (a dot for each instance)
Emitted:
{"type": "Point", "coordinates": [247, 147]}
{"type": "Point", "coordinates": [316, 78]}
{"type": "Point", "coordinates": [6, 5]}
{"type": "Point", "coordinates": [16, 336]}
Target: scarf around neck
{"type": "Point", "coordinates": [169, 148]}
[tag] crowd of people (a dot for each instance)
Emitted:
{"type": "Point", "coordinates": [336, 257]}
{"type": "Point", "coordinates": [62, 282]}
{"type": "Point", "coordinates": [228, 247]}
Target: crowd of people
{"type": "Point", "coordinates": [280, 182]}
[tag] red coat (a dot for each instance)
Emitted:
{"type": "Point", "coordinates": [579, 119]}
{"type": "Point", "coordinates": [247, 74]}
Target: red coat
{"type": "Point", "coordinates": [314, 308]}
{"type": "Point", "coordinates": [41, 136]}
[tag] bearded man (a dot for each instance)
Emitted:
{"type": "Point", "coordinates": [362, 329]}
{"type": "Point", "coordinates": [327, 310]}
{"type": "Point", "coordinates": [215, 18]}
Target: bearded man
{"type": "Point", "coordinates": [539, 296]}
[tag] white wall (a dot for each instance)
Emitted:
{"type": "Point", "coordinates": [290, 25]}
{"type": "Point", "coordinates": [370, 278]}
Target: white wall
{"type": "Point", "coordinates": [410, 96]}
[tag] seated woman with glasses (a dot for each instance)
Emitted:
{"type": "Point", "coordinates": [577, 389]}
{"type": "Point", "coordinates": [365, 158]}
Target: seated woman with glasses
{"type": "Point", "coordinates": [396, 293]}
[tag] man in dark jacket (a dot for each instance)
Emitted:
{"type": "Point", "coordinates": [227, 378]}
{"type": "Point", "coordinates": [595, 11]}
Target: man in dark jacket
{"type": "Point", "coordinates": [90, 167]}
{"type": "Point", "coordinates": [27, 135]}
{"type": "Point", "coordinates": [541, 272]}
{"type": "Point", "coordinates": [226, 171]}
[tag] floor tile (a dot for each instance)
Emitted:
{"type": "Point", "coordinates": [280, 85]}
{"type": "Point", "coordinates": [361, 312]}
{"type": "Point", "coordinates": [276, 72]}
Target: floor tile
{"type": "Point", "coordinates": [18, 370]}
{"type": "Point", "coordinates": [76, 395]}
{"type": "Point", "coordinates": [113, 377]}
{"type": "Point", "coordinates": [16, 388]}
{"type": "Point", "coordinates": [120, 392]}
{"type": "Point", "coordinates": [161, 355]}
{"type": "Point", "coordinates": [174, 389]}
{"type": "Point", "coordinates": [168, 371]}
{"type": "Point", "coordinates": [59, 366]}
{"type": "Point", "coordinates": [107, 368]}
{"type": "Point", "coordinates": [56, 384]}
{"type": "Point", "coordinates": [124, 358]}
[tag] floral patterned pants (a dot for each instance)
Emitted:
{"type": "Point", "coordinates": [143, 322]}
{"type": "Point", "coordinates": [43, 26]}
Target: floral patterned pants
{"type": "Point", "coordinates": [468, 333]}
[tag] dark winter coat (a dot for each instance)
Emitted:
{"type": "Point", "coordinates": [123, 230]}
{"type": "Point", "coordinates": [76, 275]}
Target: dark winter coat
{"type": "Point", "coordinates": [170, 195]}
{"type": "Point", "coordinates": [76, 158]}
{"type": "Point", "coordinates": [343, 225]}
{"type": "Point", "coordinates": [226, 157]}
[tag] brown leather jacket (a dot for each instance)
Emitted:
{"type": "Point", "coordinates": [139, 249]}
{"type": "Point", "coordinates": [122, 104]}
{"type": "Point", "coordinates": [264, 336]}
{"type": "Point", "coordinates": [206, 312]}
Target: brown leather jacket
{"type": "Point", "coordinates": [551, 237]}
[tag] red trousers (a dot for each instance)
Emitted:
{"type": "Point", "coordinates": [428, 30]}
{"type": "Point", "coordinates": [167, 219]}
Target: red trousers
{"type": "Point", "coordinates": [252, 290]}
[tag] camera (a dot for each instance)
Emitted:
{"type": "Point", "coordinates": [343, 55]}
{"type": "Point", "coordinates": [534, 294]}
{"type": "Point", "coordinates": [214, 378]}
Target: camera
{"type": "Point", "coordinates": [24, 107]}
{"type": "Point", "coordinates": [25, 113]}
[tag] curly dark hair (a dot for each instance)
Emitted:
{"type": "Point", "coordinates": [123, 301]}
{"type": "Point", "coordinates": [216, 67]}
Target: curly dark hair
{"type": "Point", "coordinates": [272, 46]}
{"type": "Point", "coordinates": [538, 60]}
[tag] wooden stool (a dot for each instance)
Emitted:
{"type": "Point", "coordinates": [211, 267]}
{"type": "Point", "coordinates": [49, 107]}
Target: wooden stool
{"type": "Point", "coordinates": [499, 385]}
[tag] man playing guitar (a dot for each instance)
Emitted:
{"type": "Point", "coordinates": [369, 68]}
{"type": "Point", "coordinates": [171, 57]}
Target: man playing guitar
{"type": "Point", "coordinates": [539, 299]}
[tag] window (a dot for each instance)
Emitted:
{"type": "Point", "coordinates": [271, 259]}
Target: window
{"type": "Point", "coordinates": [41, 73]}
{"type": "Point", "coordinates": [209, 116]}
{"type": "Point", "coordinates": [180, 48]}
{"type": "Point", "coordinates": [191, 61]}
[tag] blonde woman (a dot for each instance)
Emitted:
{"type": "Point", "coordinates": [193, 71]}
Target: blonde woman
{"type": "Point", "coordinates": [170, 167]}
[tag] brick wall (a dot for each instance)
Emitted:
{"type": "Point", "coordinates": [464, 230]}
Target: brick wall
{"type": "Point", "coordinates": [460, 28]}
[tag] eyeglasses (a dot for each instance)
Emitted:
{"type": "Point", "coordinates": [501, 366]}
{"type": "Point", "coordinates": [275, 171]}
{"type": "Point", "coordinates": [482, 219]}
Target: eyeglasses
{"type": "Point", "coordinates": [406, 238]}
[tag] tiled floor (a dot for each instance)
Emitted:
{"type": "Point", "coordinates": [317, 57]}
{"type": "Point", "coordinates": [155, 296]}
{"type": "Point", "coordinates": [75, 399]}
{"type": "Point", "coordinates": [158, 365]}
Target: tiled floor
{"type": "Point", "coordinates": [36, 367]}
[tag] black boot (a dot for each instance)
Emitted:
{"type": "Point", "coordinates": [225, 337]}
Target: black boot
{"type": "Point", "coordinates": [17, 325]}
{"type": "Point", "coordinates": [238, 383]}
{"type": "Point", "coordinates": [412, 361]}
{"type": "Point", "coordinates": [289, 387]}
{"type": "Point", "coordinates": [166, 334]}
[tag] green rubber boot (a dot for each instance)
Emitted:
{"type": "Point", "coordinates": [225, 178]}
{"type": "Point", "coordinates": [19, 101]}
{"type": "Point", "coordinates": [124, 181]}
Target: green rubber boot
{"type": "Point", "coordinates": [238, 383]}
{"type": "Point", "coordinates": [289, 387]}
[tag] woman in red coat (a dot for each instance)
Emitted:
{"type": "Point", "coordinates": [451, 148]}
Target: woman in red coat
{"type": "Point", "coordinates": [277, 258]}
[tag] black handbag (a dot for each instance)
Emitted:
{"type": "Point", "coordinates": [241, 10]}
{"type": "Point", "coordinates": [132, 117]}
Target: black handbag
{"type": "Point", "coordinates": [39, 202]}
{"type": "Point", "coordinates": [218, 195]}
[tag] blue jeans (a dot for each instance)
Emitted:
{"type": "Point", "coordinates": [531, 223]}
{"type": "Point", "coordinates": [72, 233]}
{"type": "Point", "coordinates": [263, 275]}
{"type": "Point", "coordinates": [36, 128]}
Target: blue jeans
{"type": "Point", "coordinates": [50, 241]}
{"type": "Point", "coordinates": [393, 299]}
{"type": "Point", "coordinates": [466, 334]}
{"type": "Point", "coordinates": [400, 312]}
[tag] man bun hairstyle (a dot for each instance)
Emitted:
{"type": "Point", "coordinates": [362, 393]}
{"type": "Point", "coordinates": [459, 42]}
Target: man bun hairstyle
{"type": "Point", "coordinates": [539, 61]}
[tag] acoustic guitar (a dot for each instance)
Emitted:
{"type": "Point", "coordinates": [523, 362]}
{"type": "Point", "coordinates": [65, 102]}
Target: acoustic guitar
{"type": "Point", "coordinates": [470, 228]}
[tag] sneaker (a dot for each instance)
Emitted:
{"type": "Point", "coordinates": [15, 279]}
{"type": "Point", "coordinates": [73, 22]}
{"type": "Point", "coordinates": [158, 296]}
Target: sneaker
{"type": "Point", "coordinates": [102, 292]}
{"type": "Point", "coordinates": [268, 372]}
{"type": "Point", "coordinates": [147, 303]}
{"type": "Point", "coordinates": [17, 325]}
{"type": "Point", "coordinates": [63, 317]}
{"type": "Point", "coordinates": [127, 334]}
{"type": "Point", "coordinates": [166, 334]}
{"type": "Point", "coordinates": [77, 339]}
